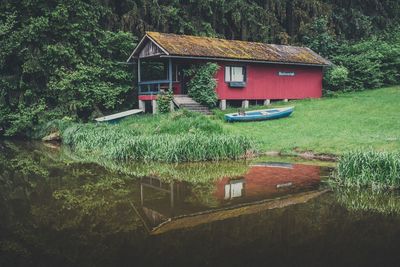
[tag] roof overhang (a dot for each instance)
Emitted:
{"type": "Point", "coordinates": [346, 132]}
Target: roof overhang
{"type": "Point", "coordinates": [245, 60]}
{"type": "Point", "coordinates": [142, 43]}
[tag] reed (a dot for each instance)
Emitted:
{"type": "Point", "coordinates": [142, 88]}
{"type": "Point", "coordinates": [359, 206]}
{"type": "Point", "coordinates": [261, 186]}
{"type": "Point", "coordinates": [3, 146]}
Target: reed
{"type": "Point", "coordinates": [155, 139]}
{"type": "Point", "coordinates": [377, 170]}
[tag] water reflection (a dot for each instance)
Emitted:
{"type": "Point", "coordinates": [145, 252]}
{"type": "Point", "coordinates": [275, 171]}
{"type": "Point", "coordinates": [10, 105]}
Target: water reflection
{"type": "Point", "coordinates": [162, 202]}
{"type": "Point", "coordinates": [61, 209]}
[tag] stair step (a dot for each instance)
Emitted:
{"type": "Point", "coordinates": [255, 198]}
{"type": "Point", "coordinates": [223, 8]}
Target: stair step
{"type": "Point", "coordinates": [184, 101]}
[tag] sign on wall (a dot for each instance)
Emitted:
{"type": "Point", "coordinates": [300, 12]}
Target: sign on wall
{"type": "Point", "coordinates": [286, 73]}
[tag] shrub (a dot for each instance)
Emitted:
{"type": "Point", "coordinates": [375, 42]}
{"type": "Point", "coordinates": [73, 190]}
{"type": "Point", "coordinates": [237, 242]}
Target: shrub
{"type": "Point", "coordinates": [164, 101]}
{"type": "Point", "coordinates": [336, 78]}
{"type": "Point", "coordinates": [202, 84]}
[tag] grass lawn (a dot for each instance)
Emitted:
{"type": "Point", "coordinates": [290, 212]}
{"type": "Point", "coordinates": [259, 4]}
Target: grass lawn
{"type": "Point", "coordinates": [367, 120]}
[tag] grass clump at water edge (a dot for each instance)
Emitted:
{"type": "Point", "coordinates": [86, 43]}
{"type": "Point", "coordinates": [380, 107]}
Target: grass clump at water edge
{"type": "Point", "coordinates": [376, 170]}
{"type": "Point", "coordinates": [153, 139]}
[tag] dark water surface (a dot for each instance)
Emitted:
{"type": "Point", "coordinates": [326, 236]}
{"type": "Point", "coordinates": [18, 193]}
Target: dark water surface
{"type": "Point", "coordinates": [61, 209]}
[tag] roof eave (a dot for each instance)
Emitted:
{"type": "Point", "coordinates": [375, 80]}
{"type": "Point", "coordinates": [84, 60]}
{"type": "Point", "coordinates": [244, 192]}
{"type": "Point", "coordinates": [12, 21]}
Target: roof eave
{"type": "Point", "coordinates": [247, 60]}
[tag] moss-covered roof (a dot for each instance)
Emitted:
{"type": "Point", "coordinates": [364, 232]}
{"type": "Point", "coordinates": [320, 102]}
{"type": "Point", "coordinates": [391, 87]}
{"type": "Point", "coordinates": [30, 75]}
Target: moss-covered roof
{"type": "Point", "coordinates": [196, 46]}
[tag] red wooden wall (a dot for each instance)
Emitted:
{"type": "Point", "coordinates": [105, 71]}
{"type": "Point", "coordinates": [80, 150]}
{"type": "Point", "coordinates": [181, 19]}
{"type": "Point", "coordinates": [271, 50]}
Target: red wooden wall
{"type": "Point", "coordinates": [263, 82]}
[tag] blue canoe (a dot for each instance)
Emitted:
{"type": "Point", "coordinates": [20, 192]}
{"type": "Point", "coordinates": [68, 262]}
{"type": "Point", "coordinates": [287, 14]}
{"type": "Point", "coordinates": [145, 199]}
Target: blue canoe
{"type": "Point", "coordinates": [260, 115]}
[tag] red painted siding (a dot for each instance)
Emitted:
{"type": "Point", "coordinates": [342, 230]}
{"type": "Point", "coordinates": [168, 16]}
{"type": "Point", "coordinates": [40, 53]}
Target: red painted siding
{"type": "Point", "coordinates": [263, 82]}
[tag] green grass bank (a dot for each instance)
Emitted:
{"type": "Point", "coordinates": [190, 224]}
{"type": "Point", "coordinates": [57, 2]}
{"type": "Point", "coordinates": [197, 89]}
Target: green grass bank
{"type": "Point", "coordinates": [364, 121]}
{"type": "Point", "coordinates": [357, 120]}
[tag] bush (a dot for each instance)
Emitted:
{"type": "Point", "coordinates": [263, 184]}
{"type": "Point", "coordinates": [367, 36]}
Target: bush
{"type": "Point", "coordinates": [371, 63]}
{"type": "Point", "coordinates": [336, 78]}
{"type": "Point", "coordinates": [202, 84]}
{"type": "Point", "coordinates": [164, 101]}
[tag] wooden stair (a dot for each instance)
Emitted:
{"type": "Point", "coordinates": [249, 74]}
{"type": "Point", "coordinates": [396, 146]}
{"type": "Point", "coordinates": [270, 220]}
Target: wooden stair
{"type": "Point", "coordinates": [184, 101]}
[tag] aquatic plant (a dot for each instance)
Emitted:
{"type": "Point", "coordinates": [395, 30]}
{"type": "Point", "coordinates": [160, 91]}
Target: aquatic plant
{"type": "Point", "coordinates": [377, 170]}
{"type": "Point", "coordinates": [163, 147]}
{"type": "Point", "coordinates": [198, 139]}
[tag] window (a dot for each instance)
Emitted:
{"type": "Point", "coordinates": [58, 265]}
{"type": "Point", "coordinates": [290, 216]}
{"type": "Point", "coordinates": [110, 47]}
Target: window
{"type": "Point", "coordinates": [235, 74]}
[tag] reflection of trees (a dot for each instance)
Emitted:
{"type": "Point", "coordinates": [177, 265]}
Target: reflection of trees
{"type": "Point", "coordinates": [368, 200]}
{"type": "Point", "coordinates": [53, 202]}
{"type": "Point", "coordinates": [44, 199]}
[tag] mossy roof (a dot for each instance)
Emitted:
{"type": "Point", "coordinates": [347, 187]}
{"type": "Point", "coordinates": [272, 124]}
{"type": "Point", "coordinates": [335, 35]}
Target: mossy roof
{"type": "Point", "coordinates": [198, 46]}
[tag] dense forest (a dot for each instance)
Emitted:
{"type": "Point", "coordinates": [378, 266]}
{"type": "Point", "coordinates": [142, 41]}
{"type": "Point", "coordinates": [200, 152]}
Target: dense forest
{"type": "Point", "coordinates": [66, 59]}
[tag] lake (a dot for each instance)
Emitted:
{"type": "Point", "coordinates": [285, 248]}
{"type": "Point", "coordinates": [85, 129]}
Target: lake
{"type": "Point", "coordinates": [58, 208]}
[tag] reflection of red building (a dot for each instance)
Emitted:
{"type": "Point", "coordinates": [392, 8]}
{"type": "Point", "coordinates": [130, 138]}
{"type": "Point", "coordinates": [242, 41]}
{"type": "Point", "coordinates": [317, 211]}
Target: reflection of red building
{"type": "Point", "coordinates": [175, 205]}
{"type": "Point", "coordinates": [268, 180]}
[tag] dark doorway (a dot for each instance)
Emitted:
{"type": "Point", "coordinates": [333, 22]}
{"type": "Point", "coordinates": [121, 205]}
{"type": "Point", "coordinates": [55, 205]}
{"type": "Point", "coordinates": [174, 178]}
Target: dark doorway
{"type": "Point", "coordinates": [184, 79]}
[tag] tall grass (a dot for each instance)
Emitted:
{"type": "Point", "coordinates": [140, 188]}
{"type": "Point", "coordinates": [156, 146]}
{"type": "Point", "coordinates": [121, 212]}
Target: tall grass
{"type": "Point", "coordinates": [377, 170]}
{"type": "Point", "coordinates": [156, 139]}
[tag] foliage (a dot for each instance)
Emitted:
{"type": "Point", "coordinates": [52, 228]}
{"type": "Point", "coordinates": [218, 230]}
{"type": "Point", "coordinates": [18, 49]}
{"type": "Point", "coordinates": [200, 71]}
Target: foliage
{"type": "Point", "coordinates": [202, 84]}
{"type": "Point", "coordinates": [372, 62]}
{"type": "Point", "coordinates": [64, 58]}
{"type": "Point", "coordinates": [58, 59]}
{"type": "Point", "coordinates": [319, 37]}
{"type": "Point", "coordinates": [336, 78]}
{"type": "Point", "coordinates": [164, 102]}
{"type": "Point", "coordinates": [378, 170]}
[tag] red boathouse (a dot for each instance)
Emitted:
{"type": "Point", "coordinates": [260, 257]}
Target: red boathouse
{"type": "Point", "coordinates": [249, 72]}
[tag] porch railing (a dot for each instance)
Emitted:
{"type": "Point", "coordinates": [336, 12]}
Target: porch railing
{"type": "Point", "coordinates": [153, 87]}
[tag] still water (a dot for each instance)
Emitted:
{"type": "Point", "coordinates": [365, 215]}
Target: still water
{"type": "Point", "coordinates": [61, 209]}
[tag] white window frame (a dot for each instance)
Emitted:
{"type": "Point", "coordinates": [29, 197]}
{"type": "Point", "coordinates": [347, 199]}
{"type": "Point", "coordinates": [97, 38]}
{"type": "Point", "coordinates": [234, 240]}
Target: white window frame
{"type": "Point", "coordinates": [228, 73]}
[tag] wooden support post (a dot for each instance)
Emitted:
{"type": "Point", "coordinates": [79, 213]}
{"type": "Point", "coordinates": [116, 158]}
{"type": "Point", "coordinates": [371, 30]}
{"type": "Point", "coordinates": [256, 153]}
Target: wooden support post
{"type": "Point", "coordinates": [154, 106]}
{"type": "Point", "coordinates": [245, 104]}
{"type": "Point", "coordinates": [172, 106]}
{"type": "Point", "coordinates": [267, 102]}
{"type": "Point", "coordinates": [170, 73]}
{"type": "Point", "coordinates": [138, 70]}
{"type": "Point", "coordinates": [222, 104]}
{"type": "Point", "coordinates": [138, 76]}
{"type": "Point", "coordinates": [142, 105]}
{"type": "Point", "coordinates": [285, 100]}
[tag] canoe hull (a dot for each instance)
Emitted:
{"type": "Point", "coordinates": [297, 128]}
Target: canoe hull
{"type": "Point", "coordinates": [260, 115]}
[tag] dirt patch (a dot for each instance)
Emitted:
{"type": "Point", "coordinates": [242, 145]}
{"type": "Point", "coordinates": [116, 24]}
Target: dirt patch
{"type": "Point", "coordinates": [310, 155]}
